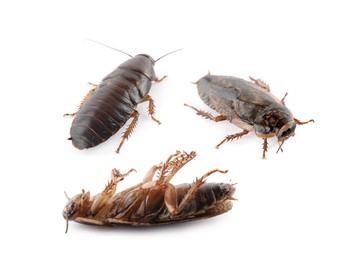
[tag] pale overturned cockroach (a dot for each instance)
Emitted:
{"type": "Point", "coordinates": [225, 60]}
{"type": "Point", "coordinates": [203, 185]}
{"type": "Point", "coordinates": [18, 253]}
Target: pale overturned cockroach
{"type": "Point", "coordinates": [248, 105]}
{"type": "Point", "coordinates": [152, 202]}
{"type": "Point", "coordinates": [109, 105]}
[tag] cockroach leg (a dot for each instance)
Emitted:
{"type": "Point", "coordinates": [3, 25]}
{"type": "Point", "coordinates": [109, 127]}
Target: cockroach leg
{"type": "Point", "coordinates": [102, 198]}
{"type": "Point", "coordinates": [174, 165]}
{"type": "Point", "coordinates": [261, 84]}
{"type": "Point", "coordinates": [165, 166]}
{"type": "Point", "coordinates": [129, 129]}
{"type": "Point", "coordinates": [302, 123]}
{"type": "Point", "coordinates": [149, 175]}
{"type": "Point", "coordinates": [93, 84]}
{"type": "Point", "coordinates": [117, 176]}
{"type": "Point", "coordinates": [151, 108]}
{"type": "Point", "coordinates": [168, 169]}
{"type": "Point", "coordinates": [157, 80]}
{"type": "Point", "coordinates": [89, 94]}
{"type": "Point", "coordinates": [207, 115]}
{"type": "Point", "coordinates": [170, 194]}
{"type": "Point", "coordinates": [283, 99]}
{"type": "Point", "coordinates": [265, 148]}
{"type": "Point", "coordinates": [232, 137]}
{"type": "Point", "coordinates": [170, 199]}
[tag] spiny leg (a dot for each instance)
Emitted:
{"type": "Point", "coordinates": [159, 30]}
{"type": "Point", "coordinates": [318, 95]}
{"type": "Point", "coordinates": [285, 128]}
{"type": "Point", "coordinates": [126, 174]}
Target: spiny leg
{"type": "Point", "coordinates": [157, 80]}
{"type": "Point", "coordinates": [169, 168]}
{"type": "Point", "coordinates": [117, 176]}
{"type": "Point", "coordinates": [265, 148]}
{"type": "Point", "coordinates": [170, 196]}
{"type": "Point", "coordinates": [232, 137]}
{"type": "Point", "coordinates": [295, 119]}
{"type": "Point", "coordinates": [261, 84]}
{"type": "Point", "coordinates": [173, 164]}
{"type": "Point", "coordinates": [129, 129]}
{"type": "Point", "coordinates": [89, 94]}
{"type": "Point", "coordinates": [102, 198]}
{"type": "Point", "coordinates": [302, 123]}
{"type": "Point", "coordinates": [149, 175]}
{"type": "Point", "coordinates": [283, 99]}
{"type": "Point", "coordinates": [207, 115]}
{"type": "Point", "coordinates": [166, 165]}
{"type": "Point", "coordinates": [151, 108]}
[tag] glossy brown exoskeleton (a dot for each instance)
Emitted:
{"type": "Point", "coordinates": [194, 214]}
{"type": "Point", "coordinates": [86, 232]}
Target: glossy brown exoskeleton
{"type": "Point", "coordinates": [153, 202]}
{"type": "Point", "coordinates": [248, 105]}
{"type": "Point", "coordinates": [109, 105]}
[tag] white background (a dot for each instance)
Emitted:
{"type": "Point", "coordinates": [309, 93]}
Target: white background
{"type": "Point", "coordinates": [291, 206]}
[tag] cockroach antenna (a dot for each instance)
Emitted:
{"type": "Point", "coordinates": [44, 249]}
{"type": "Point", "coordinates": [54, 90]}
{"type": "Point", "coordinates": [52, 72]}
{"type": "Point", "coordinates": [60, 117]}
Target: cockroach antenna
{"type": "Point", "coordinates": [67, 222]}
{"type": "Point", "coordinates": [168, 54]}
{"type": "Point", "coordinates": [110, 47]}
{"type": "Point", "coordinates": [280, 146]}
{"type": "Point", "coordinates": [66, 215]}
{"type": "Point", "coordinates": [66, 195]}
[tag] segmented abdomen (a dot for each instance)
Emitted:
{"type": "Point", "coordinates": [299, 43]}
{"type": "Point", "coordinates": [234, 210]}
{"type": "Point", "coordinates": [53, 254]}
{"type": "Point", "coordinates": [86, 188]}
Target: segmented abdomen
{"type": "Point", "coordinates": [207, 196]}
{"type": "Point", "coordinates": [140, 206]}
{"type": "Point", "coordinates": [108, 108]}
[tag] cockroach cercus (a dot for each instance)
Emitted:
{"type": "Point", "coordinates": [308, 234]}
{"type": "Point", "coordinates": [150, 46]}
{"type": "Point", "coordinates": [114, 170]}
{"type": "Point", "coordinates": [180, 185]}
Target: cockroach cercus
{"type": "Point", "coordinates": [153, 202]}
{"type": "Point", "coordinates": [248, 105]}
{"type": "Point", "coordinates": [109, 105]}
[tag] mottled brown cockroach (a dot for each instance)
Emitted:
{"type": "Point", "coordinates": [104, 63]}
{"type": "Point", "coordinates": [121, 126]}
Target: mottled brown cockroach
{"type": "Point", "coordinates": [248, 105]}
{"type": "Point", "coordinates": [152, 202]}
{"type": "Point", "coordinates": [109, 105]}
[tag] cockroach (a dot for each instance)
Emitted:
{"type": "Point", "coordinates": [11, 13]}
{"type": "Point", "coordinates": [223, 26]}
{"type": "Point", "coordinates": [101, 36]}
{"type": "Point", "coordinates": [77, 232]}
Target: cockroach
{"type": "Point", "coordinates": [249, 105]}
{"type": "Point", "coordinates": [152, 202]}
{"type": "Point", "coordinates": [109, 105]}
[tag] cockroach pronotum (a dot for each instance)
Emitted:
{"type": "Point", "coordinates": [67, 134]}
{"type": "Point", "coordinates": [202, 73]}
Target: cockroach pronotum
{"type": "Point", "coordinates": [109, 105]}
{"type": "Point", "coordinates": [153, 202]}
{"type": "Point", "coordinates": [248, 105]}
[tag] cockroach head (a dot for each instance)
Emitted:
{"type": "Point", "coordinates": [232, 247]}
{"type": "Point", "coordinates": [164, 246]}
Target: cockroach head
{"type": "Point", "coordinates": [154, 61]}
{"type": "Point", "coordinates": [74, 207]}
{"type": "Point", "coordinates": [148, 57]}
{"type": "Point", "coordinates": [286, 131]}
{"type": "Point", "coordinates": [275, 121]}
{"type": "Point", "coordinates": [74, 204]}
{"type": "Point", "coordinates": [230, 189]}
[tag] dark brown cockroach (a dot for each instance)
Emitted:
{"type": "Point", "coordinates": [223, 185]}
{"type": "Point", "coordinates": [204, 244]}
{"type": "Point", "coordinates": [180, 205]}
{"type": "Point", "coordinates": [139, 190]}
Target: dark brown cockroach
{"type": "Point", "coordinates": [248, 105]}
{"type": "Point", "coordinates": [109, 105]}
{"type": "Point", "coordinates": [152, 202]}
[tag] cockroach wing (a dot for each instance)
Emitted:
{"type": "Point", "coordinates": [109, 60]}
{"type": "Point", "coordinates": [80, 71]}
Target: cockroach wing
{"type": "Point", "coordinates": [234, 97]}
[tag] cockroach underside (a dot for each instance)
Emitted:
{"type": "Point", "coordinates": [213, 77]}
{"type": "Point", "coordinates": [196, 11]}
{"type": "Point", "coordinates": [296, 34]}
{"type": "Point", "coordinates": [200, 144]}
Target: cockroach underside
{"type": "Point", "coordinates": [153, 202]}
